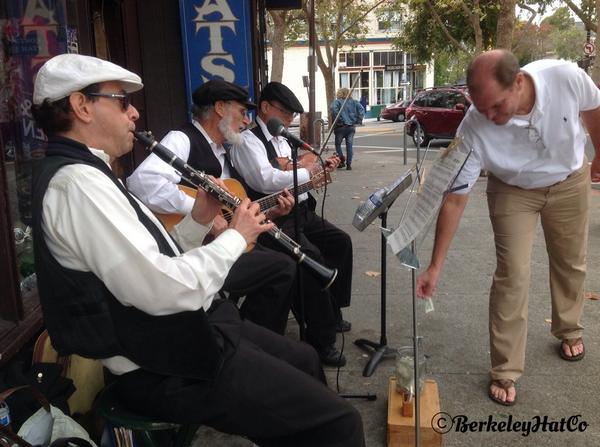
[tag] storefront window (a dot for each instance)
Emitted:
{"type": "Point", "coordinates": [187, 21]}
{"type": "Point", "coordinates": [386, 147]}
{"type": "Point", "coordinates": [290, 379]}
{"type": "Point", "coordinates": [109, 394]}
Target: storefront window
{"type": "Point", "coordinates": [31, 32]}
{"type": "Point", "coordinates": [388, 86]}
{"type": "Point", "coordinates": [361, 87]}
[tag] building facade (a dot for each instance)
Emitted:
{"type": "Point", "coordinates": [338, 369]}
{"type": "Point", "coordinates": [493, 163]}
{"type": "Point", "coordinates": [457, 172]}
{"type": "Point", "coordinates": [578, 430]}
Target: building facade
{"type": "Point", "coordinates": [386, 73]}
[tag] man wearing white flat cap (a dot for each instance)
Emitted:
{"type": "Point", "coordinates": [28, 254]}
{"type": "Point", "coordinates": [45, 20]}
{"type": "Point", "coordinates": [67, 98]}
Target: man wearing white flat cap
{"type": "Point", "coordinates": [115, 286]}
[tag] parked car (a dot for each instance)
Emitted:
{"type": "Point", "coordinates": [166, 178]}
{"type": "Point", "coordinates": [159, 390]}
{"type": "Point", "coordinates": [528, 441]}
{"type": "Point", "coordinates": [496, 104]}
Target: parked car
{"type": "Point", "coordinates": [439, 111]}
{"type": "Point", "coordinates": [395, 112]}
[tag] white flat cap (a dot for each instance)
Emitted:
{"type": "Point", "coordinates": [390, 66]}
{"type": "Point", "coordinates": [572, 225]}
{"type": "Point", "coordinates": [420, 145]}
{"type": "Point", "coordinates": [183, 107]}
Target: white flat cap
{"type": "Point", "coordinates": [68, 73]}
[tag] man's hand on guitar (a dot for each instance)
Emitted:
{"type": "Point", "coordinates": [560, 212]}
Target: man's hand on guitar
{"type": "Point", "coordinates": [219, 225]}
{"type": "Point", "coordinates": [286, 203]}
{"type": "Point", "coordinates": [332, 162]}
{"type": "Point", "coordinates": [249, 221]}
{"type": "Point", "coordinates": [206, 207]}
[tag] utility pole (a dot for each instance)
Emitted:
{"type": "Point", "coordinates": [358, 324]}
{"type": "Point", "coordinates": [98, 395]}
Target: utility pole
{"type": "Point", "coordinates": [312, 66]}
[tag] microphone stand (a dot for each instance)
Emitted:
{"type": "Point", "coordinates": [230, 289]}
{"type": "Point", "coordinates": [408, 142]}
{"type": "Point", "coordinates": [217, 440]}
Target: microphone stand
{"type": "Point", "coordinates": [299, 288]}
{"type": "Point", "coordinates": [294, 150]}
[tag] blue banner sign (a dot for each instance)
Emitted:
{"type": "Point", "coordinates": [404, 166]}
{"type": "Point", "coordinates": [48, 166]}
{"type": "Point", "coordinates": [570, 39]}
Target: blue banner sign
{"type": "Point", "coordinates": [217, 42]}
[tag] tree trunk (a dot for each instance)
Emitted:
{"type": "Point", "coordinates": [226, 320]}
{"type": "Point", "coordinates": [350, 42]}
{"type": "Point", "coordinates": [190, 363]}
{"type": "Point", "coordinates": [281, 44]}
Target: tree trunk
{"type": "Point", "coordinates": [328, 77]}
{"type": "Point", "coordinates": [278, 44]}
{"type": "Point", "coordinates": [506, 24]}
{"type": "Point", "coordinates": [475, 17]}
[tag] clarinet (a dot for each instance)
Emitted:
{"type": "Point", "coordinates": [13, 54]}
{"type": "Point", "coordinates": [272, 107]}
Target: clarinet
{"type": "Point", "coordinates": [202, 180]}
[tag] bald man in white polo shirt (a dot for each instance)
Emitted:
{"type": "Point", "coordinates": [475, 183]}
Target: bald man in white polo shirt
{"type": "Point", "coordinates": [525, 130]}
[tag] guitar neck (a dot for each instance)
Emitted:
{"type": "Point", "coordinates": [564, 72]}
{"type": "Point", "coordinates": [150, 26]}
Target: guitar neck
{"type": "Point", "coordinates": [270, 201]}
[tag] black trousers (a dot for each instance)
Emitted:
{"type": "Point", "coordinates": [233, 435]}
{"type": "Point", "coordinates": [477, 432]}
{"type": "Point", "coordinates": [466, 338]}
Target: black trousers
{"type": "Point", "coordinates": [315, 307]}
{"type": "Point", "coordinates": [327, 244]}
{"type": "Point", "coordinates": [266, 277]}
{"type": "Point", "coordinates": [270, 389]}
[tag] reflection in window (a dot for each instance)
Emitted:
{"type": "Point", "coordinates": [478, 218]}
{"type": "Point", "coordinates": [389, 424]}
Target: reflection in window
{"type": "Point", "coordinates": [27, 42]}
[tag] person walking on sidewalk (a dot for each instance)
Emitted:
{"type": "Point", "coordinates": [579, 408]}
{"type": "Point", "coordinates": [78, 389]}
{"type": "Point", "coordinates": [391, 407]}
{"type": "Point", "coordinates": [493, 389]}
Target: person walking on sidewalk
{"type": "Point", "coordinates": [525, 130]}
{"type": "Point", "coordinates": [351, 115]}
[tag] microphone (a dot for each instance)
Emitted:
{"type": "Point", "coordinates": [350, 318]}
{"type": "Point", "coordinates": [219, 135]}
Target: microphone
{"type": "Point", "coordinates": [276, 128]}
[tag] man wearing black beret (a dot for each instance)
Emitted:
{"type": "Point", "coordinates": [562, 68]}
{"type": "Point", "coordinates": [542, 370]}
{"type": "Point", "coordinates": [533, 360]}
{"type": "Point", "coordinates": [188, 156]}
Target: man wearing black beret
{"type": "Point", "coordinates": [258, 161]}
{"type": "Point", "coordinates": [263, 275]}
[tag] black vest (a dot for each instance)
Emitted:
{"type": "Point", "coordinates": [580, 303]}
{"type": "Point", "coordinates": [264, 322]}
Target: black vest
{"type": "Point", "coordinates": [83, 317]}
{"type": "Point", "coordinates": [272, 155]}
{"type": "Point", "coordinates": [202, 157]}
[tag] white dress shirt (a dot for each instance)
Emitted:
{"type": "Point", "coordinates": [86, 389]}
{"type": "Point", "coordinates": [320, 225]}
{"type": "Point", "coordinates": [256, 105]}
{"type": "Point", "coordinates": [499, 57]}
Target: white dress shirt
{"type": "Point", "coordinates": [251, 161]}
{"type": "Point", "coordinates": [539, 149]}
{"type": "Point", "coordinates": [90, 226]}
{"type": "Point", "coordinates": [154, 182]}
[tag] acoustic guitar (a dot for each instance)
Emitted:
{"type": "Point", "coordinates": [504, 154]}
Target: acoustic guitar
{"type": "Point", "coordinates": [237, 189]}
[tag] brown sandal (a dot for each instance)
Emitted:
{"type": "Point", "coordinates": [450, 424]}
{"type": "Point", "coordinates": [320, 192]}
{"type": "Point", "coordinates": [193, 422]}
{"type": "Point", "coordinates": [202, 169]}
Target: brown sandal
{"type": "Point", "coordinates": [570, 342]}
{"type": "Point", "coordinates": [505, 384]}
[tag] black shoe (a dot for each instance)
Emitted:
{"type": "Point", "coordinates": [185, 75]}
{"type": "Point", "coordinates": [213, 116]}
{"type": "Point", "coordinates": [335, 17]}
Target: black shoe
{"type": "Point", "coordinates": [330, 356]}
{"type": "Point", "coordinates": [348, 168]}
{"type": "Point", "coordinates": [341, 165]}
{"type": "Point", "coordinates": [343, 326]}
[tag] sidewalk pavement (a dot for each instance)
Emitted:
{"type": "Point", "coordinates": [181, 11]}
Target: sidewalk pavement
{"type": "Point", "coordinates": [456, 333]}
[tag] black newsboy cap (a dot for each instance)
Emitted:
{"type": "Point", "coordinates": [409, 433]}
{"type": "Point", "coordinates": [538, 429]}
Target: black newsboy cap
{"type": "Point", "coordinates": [276, 91]}
{"type": "Point", "coordinates": [218, 90]}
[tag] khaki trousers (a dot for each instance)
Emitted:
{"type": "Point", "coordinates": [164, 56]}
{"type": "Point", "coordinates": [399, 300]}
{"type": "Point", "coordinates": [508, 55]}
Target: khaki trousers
{"type": "Point", "coordinates": [563, 209]}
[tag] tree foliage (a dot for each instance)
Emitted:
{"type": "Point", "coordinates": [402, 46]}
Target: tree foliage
{"type": "Point", "coordinates": [449, 26]}
{"type": "Point", "coordinates": [283, 28]}
{"type": "Point", "coordinates": [556, 36]}
{"type": "Point", "coordinates": [338, 23]}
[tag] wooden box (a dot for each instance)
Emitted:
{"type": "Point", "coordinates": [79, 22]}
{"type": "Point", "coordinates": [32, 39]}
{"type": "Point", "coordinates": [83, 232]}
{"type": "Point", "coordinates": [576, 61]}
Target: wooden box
{"type": "Point", "coordinates": [401, 429]}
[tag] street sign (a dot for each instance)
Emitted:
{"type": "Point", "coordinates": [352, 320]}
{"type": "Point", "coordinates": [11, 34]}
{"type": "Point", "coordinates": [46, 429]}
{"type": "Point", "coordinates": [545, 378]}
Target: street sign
{"type": "Point", "coordinates": [588, 48]}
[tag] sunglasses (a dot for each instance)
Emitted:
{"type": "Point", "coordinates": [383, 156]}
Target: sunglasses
{"type": "Point", "coordinates": [122, 97]}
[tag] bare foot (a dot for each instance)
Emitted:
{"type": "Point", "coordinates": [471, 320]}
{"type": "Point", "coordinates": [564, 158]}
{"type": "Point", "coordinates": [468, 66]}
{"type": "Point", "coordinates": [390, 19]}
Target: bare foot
{"type": "Point", "coordinates": [503, 391]}
{"type": "Point", "coordinates": [572, 348]}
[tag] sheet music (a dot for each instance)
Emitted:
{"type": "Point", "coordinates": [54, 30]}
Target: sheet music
{"type": "Point", "coordinates": [429, 198]}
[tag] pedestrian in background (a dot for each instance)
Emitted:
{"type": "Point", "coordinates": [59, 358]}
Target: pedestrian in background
{"type": "Point", "coordinates": [351, 113]}
{"type": "Point", "coordinates": [364, 102]}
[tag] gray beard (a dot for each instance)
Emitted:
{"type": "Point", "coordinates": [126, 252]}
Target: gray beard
{"type": "Point", "coordinates": [231, 136]}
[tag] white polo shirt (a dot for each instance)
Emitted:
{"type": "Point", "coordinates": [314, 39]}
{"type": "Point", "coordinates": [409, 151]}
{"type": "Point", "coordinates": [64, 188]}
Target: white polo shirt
{"type": "Point", "coordinates": [539, 149]}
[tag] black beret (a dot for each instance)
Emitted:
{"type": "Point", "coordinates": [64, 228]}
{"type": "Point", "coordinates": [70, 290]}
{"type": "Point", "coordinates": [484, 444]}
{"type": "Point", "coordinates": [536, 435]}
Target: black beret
{"type": "Point", "coordinates": [218, 90]}
{"type": "Point", "coordinates": [276, 91]}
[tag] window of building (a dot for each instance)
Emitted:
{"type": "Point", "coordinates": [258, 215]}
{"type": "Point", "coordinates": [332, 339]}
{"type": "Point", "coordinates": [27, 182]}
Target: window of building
{"type": "Point", "coordinates": [360, 59]}
{"type": "Point", "coordinates": [388, 86]}
{"type": "Point", "coordinates": [390, 58]}
{"type": "Point", "coordinates": [31, 33]}
{"type": "Point", "coordinates": [27, 42]}
{"type": "Point", "coordinates": [361, 87]}
{"type": "Point", "coordinates": [390, 21]}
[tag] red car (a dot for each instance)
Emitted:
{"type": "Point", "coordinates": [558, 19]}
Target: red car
{"type": "Point", "coordinates": [439, 111]}
{"type": "Point", "coordinates": [395, 112]}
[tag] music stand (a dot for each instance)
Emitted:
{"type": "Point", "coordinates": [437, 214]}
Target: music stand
{"type": "Point", "coordinates": [377, 205]}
